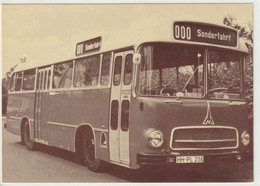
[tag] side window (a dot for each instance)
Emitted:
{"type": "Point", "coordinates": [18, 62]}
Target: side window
{"type": "Point", "coordinates": [44, 80]}
{"type": "Point", "coordinates": [29, 79]}
{"type": "Point", "coordinates": [87, 72]}
{"type": "Point", "coordinates": [48, 79]}
{"type": "Point", "coordinates": [128, 69]}
{"type": "Point", "coordinates": [41, 84]}
{"type": "Point", "coordinates": [12, 83]}
{"type": "Point", "coordinates": [62, 75]}
{"type": "Point", "coordinates": [114, 114]}
{"type": "Point", "coordinates": [117, 71]}
{"type": "Point", "coordinates": [38, 84]}
{"type": "Point", "coordinates": [18, 81]}
{"type": "Point", "coordinates": [105, 69]}
{"type": "Point", "coordinates": [125, 115]}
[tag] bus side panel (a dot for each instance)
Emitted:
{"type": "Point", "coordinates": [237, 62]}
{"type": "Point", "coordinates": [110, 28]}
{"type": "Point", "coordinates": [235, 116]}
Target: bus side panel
{"type": "Point", "coordinates": [13, 118]}
{"type": "Point", "coordinates": [92, 107]}
{"type": "Point", "coordinates": [27, 107]}
{"type": "Point", "coordinates": [59, 119]}
{"type": "Point", "coordinates": [102, 150]}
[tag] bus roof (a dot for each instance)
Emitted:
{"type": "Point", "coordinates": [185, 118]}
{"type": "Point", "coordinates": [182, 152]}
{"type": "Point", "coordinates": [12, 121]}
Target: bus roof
{"type": "Point", "coordinates": [162, 32]}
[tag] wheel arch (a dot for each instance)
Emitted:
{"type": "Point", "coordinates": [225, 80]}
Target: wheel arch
{"type": "Point", "coordinates": [24, 118]}
{"type": "Point", "coordinates": [79, 132]}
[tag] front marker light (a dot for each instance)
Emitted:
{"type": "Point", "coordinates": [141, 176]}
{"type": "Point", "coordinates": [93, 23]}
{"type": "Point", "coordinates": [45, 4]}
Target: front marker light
{"type": "Point", "coordinates": [245, 138]}
{"type": "Point", "coordinates": [155, 138]}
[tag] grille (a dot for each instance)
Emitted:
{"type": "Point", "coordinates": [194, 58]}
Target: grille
{"type": "Point", "coordinates": [204, 138]}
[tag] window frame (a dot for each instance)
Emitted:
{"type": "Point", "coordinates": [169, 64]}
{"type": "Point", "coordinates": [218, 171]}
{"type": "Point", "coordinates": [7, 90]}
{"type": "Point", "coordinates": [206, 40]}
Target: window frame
{"type": "Point", "coordinates": [53, 76]}
{"type": "Point", "coordinates": [33, 81]}
{"type": "Point", "coordinates": [205, 53]}
{"type": "Point", "coordinates": [109, 69]}
{"type": "Point", "coordinates": [125, 126]}
{"type": "Point", "coordinates": [74, 72]}
{"type": "Point", "coordinates": [120, 78]}
{"type": "Point", "coordinates": [131, 77]}
{"type": "Point", "coordinates": [15, 81]}
{"type": "Point", "coordinates": [113, 120]}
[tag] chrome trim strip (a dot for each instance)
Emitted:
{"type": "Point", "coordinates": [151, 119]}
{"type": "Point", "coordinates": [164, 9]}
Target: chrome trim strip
{"type": "Point", "coordinates": [100, 130]}
{"type": "Point", "coordinates": [22, 92]}
{"type": "Point", "coordinates": [41, 141]}
{"type": "Point", "coordinates": [78, 88]}
{"type": "Point", "coordinates": [216, 148]}
{"type": "Point", "coordinates": [194, 141]}
{"type": "Point", "coordinates": [63, 89]}
{"type": "Point", "coordinates": [120, 164]}
{"type": "Point", "coordinates": [194, 127]}
{"type": "Point", "coordinates": [14, 117]}
{"type": "Point", "coordinates": [62, 124]}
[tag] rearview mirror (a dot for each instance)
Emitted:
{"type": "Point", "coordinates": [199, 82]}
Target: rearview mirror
{"type": "Point", "coordinates": [137, 58]}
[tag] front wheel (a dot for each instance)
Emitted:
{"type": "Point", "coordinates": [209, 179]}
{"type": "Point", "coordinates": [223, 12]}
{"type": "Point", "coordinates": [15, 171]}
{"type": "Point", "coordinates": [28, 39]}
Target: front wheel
{"type": "Point", "coordinates": [88, 152]}
{"type": "Point", "coordinates": [30, 145]}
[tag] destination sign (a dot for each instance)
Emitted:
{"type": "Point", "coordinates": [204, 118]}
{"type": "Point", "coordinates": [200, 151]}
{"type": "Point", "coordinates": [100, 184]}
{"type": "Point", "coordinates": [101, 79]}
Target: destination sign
{"type": "Point", "coordinates": [87, 46]}
{"type": "Point", "coordinates": [197, 32]}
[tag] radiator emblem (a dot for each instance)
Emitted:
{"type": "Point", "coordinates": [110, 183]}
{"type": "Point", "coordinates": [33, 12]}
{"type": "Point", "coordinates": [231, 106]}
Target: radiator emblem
{"type": "Point", "coordinates": [208, 119]}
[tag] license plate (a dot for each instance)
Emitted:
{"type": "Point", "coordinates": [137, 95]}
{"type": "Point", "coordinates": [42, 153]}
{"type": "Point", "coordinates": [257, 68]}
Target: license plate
{"type": "Point", "coordinates": [189, 159]}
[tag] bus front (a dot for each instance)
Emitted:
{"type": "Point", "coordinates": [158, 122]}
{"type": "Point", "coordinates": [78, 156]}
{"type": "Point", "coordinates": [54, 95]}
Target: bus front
{"type": "Point", "coordinates": [190, 102]}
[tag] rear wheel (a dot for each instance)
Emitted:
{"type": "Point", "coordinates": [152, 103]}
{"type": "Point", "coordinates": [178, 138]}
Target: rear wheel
{"type": "Point", "coordinates": [30, 145]}
{"type": "Point", "coordinates": [88, 152]}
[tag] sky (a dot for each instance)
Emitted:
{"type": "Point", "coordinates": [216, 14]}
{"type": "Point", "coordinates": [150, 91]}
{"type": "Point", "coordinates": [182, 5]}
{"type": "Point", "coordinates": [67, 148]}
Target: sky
{"type": "Point", "coordinates": [48, 33]}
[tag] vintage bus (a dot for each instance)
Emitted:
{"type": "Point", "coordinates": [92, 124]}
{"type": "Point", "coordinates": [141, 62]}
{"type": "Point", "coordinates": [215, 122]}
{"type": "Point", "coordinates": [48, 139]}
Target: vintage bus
{"type": "Point", "coordinates": [168, 96]}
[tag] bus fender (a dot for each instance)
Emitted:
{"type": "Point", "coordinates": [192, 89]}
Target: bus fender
{"type": "Point", "coordinates": [80, 128]}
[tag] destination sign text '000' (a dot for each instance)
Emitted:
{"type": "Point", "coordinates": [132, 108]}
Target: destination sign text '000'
{"type": "Point", "coordinates": [204, 33]}
{"type": "Point", "coordinates": [88, 46]}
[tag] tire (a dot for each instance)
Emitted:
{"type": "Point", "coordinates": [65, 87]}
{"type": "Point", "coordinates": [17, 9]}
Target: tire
{"type": "Point", "coordinates": [88, 152]}
{"type": "Point", "coordinates": [30, 145]}
{"type": "Point", "coordinates": [22, 136]}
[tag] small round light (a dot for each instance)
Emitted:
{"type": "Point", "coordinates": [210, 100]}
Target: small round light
{"type": "Point", "coordinates": [155, 138]}
{"type": "Point", "coordinates": [245, 138]}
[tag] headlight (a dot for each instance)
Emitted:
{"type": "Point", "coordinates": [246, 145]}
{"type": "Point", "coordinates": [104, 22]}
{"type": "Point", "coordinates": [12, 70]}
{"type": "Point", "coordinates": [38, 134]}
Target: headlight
{"type": "Point", "coordinates": [245, 138]}
{"type": "Point", "coordinates": [155, 138]}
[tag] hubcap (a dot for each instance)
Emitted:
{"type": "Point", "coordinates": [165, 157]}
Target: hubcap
{"type": "Point", "coordinates": [90, 151]}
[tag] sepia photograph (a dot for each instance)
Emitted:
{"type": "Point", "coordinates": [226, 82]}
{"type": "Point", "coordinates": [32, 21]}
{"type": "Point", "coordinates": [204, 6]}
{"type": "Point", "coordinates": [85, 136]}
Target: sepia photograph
{"type": "Point", "coordinates": [127, 93]}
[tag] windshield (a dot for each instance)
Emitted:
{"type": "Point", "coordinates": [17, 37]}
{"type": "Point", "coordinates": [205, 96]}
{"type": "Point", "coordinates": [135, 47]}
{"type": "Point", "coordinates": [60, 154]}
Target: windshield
{"type": "Point", "coordinates": [171, 70]}
{"type": "Point", "coordinates": [180, 70]}
{"type": "Point", "coordinates": [224, 75]}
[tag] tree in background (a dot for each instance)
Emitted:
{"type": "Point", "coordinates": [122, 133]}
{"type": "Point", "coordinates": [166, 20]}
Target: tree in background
{"type": "Point", "coordinates": [245, 32]}
{"type": "Point", "coordinates": [5, 82]}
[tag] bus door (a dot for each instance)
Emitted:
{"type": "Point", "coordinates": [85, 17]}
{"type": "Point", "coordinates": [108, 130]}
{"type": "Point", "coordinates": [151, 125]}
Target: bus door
{"type": "Point", "coordinates": [41, 104]}
{"type": "Point", "coordinates": [119, 107]}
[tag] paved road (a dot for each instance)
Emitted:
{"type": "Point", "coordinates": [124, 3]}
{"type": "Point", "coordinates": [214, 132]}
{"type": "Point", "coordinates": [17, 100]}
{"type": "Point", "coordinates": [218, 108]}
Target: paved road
{"type": "Point", "coordinates": [50, 164]}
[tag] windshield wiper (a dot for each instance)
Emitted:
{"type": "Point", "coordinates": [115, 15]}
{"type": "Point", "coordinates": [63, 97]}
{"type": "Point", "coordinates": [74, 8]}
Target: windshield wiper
{"type": "Point", "coordinates": [189, 79]}
{"type": "Point", "coordinates": [219, 77]}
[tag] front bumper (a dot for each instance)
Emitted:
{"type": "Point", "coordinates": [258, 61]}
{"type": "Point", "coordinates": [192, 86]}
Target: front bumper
{"type": "Point", "coordinates": [169, 159]}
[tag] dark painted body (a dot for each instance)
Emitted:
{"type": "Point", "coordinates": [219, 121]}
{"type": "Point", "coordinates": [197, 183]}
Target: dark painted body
{"type": "Point", "coordinates": [19, 105]}
{"type": "Point", "coordinates": [77, 107]}
{"type": "Point", "coordinates": [151, 112]}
